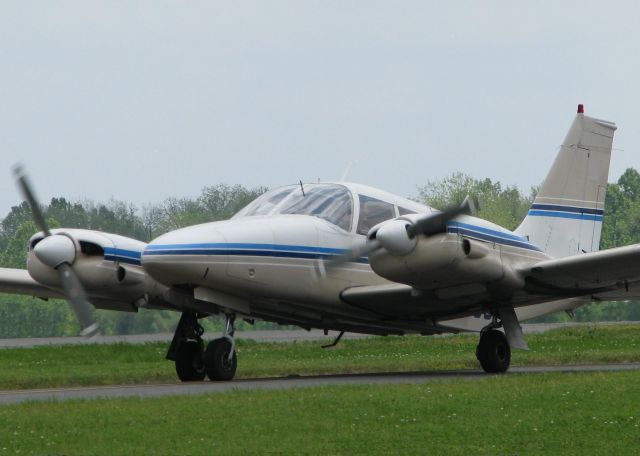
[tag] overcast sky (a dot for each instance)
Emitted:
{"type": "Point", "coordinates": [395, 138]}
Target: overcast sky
{"type": "Point", "coordinates": [140, 101]}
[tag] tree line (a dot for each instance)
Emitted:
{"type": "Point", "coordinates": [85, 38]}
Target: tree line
{"type": "Point", "coordinates": [22, 316]}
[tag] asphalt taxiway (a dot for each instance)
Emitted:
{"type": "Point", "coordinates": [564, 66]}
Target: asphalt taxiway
{"type": "Point", "coordinates": [195, 388]}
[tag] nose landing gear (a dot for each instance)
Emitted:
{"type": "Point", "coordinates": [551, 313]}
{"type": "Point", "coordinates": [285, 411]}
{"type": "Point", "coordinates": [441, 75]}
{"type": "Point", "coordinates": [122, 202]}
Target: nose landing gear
{"type": "Point", "coordinates": [220, 358]}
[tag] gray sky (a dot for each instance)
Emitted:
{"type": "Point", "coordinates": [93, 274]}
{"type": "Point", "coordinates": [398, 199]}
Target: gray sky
{"type": "Point", "coordinates": [140, 101]}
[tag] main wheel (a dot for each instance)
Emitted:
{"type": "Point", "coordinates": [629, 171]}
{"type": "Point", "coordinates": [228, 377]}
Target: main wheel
{"type": "Point", "coordinates": [189, 363]}
{"type": "Point", "coordinates": [217, 363]}
{"type": "Point", "coordinates": [494, 352]}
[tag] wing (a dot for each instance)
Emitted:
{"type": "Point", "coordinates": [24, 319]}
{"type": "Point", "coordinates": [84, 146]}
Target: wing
{"type": "Point", "coordinates": [19, 281]}
{"type": "Point", "coordinates": [612, 274]}
{"type": "Point", "coordinates": [603, 275]}
{"type": "Point", "coordinates": [398, 301]}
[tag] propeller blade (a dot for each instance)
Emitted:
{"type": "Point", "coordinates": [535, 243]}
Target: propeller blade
{"type": "Point", "coordinates": [57, 252]}
{"type": "Point", "coordinates": [28, 195]}
{"type": "Point", "coordinates": [78, 299]}
{"type": "Point", "coordinates": [350, 255]}
{"type": "Point", "coordinates": [354, 253]}
{"type": "Point", "coordinates": [437, 223]}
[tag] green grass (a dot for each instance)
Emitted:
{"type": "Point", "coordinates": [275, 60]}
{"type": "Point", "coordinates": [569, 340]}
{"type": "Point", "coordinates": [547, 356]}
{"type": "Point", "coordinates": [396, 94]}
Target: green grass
{"type": "Point", "coordinates": [52, 366]}
{"type": "Point", "coordinates": [586, 413]}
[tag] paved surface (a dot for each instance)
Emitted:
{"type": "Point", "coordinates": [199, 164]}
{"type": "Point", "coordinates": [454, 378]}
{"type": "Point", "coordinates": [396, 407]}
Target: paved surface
{"type": "Point", "coordinates": [260, 336]}
{"type": "Point", "coordinates": [61, 394]}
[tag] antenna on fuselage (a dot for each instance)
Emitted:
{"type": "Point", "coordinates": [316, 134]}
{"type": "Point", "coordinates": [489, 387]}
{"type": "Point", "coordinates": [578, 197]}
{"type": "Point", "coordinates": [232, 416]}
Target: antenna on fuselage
{"type": "Point", "coordinates": [302, 188]}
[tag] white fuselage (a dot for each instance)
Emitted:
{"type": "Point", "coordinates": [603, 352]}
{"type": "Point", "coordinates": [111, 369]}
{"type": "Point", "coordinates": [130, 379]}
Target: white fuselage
{"type": "Point", "coordinates": [266, 266]}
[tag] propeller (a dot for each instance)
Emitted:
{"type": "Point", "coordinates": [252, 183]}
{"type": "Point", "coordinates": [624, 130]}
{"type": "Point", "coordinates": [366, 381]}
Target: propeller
{"type": "Point", "coordinates": [399, 236]}
{"type": "Point", "coordinates": [437, 223]}
{"type": "Point", "coordinates": [58, 251]}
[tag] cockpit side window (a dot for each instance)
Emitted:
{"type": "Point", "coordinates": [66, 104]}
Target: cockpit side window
{"type": "Point", "coordinates": [372, 212]}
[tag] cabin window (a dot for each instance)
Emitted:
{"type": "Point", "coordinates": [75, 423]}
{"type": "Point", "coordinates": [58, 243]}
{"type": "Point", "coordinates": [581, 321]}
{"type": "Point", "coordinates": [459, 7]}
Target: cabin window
{"type": "Point", "coordinates": [372, 212]}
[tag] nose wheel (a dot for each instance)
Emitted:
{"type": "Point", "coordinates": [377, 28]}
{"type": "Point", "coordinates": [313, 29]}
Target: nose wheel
{"type": "Point", "coordinates": [220, 360]}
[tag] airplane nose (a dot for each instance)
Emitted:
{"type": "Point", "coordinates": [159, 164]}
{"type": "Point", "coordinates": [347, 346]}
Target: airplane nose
{"type": "Point", "coordinates": [178, 257]}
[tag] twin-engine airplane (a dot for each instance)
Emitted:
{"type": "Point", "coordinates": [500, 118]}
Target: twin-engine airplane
{"type": "Point", "coordinates": [347, 257]}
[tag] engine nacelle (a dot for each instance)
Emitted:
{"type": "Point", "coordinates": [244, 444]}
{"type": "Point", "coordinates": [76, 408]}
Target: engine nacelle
{"type": "Point", "coordinates": [440, 261]}
{"type": "Point", "coordinates": [107, 265]}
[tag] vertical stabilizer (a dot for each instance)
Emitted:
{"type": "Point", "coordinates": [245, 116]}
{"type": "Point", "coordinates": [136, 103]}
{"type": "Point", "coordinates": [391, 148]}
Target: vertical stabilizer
{"type": "Point", "coordinates": [566, 216]}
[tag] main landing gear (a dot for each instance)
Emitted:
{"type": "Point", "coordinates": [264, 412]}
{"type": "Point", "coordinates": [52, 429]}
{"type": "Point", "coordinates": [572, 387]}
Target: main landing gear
{"type": "Point", "coordinates": [193, 362]}
{"type": "Point", "coordinates": [493, 351]}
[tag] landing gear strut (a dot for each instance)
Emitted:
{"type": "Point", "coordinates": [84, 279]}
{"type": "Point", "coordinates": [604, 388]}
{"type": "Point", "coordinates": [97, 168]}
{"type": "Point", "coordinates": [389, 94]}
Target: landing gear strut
{"type": "Point", "coordinates": [186, 349]}
{"type": "Point", "coordinates": [493, 351]}
{"type": "Point", "coordinates": [220, 360]}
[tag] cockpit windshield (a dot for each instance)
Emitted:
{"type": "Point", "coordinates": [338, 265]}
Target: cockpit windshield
{"type": "Point", "coordinates": [330, 202]}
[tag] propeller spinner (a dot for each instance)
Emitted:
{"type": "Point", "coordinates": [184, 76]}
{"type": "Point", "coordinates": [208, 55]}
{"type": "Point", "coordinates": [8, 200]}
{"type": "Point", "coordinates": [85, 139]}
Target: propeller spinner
{"type": "Point", "coordinates": [58, 252]}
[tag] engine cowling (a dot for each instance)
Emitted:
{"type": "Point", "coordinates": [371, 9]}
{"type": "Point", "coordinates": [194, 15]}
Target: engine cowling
{"type": "Point", "coordinates": [107, 265]}
{"type": "Point", "coordinates": [440, 261]}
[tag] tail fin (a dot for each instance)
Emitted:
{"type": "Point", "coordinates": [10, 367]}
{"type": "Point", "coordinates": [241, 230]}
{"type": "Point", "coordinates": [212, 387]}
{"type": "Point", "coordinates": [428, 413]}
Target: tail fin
{"type": "Point", "coordinates": [566, 216]}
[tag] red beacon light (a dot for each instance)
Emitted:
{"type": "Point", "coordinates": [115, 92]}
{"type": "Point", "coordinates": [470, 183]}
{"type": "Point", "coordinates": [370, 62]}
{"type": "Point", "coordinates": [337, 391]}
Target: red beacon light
{"type": "Point", "coordinates": [580, 109]}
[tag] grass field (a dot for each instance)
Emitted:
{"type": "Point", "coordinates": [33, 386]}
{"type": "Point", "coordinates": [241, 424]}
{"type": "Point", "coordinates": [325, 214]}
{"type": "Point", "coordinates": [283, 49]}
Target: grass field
{"type": "Point", "coordinates": [568, 414]}
{"type": "Point", "coordinates": [126, 364]}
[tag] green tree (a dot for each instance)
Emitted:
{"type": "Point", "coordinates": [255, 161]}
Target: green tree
{"type": "Point", "coordinates": [16, 217]}
{"type": "Point", "coordinates": [505, 206]}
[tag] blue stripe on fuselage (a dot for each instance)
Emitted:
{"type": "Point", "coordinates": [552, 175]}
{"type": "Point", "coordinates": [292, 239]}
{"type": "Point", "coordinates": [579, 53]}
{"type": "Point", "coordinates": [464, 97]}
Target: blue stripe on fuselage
{"type": "Point", "coordinates": [308, 252]}
{"type": "Point", "coordinates": [122, 256]}
{"type": "Point", "coordinates": [239, 249]}
{"type": "Point", "coordinates": [487, 234]}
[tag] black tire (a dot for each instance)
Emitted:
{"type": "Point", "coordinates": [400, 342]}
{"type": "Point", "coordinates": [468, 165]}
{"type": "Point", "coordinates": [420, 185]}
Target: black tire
{"type": "Point", "coordinates": [189, 363]}
{"type": "Point", "coordinates": [216, 360]}
{"type": "Point", "coordinates": [494, 352]}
